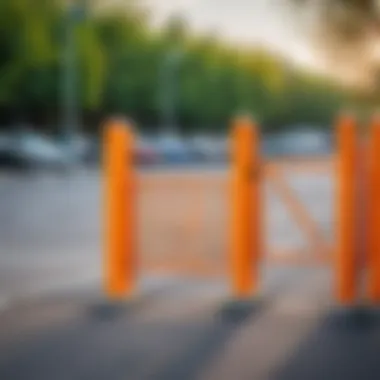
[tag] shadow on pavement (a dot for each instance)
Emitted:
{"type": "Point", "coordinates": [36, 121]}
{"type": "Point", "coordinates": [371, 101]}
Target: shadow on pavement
{"type": "Point", "coordinates": [64, 341]}
{"type": "Point", "coordinates": [344, 346]}
{"type": "Point", "coordinates": [190, 363]}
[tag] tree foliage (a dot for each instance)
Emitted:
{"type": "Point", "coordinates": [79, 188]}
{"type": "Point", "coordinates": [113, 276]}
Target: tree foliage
{"type": "Point", "coordinates": [119, 62]}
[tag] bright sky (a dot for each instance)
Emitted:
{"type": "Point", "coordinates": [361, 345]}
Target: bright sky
{"type": "Point", "coordinates": [264, 22]}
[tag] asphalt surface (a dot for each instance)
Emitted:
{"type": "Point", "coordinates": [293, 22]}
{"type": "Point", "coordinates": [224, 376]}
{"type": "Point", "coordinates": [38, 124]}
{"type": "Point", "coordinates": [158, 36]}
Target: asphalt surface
{"type": "Point", "coordinates": [185, 330]}
{"type": "Point", "coordinates": [49, 231]}
{"type": "Point", "coordinates": [55, 323]}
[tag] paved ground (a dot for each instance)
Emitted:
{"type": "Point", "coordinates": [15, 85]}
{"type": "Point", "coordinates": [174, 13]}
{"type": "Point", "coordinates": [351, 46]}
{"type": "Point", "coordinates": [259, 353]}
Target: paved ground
{"type": "Point", "coordinates": [49, 232]}
{"type": "Point", "coordinates": [50, 229]}
{"type": "Point", "coordinates": [177, 329]}
{"type": "Point", "coordinates": [174, 328]}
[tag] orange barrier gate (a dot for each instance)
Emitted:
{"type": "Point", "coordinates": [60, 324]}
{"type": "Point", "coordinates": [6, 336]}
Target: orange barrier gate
{"type": "Point", "coordinates": [245, 216]}
{"type": "Point", "coordinates": [119, 175]}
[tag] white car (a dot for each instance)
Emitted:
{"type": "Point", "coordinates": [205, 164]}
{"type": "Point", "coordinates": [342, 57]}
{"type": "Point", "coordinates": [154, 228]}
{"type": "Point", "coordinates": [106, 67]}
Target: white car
{"type": "Point", "coordinates": [297, 143]}
{"type": "Point", "coordinates": [39, 151]}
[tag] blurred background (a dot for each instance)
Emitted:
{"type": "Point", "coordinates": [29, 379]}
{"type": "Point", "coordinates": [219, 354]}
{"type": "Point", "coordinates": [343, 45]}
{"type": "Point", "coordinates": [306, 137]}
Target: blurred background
{"type": "Point", "coordinates": [180, 70]}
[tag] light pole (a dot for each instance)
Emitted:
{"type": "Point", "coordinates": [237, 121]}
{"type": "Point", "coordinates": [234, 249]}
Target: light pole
{"type": "Point", "coordinates": [169, 90]}
{"type": "Point", "coordinates": [70, 124]}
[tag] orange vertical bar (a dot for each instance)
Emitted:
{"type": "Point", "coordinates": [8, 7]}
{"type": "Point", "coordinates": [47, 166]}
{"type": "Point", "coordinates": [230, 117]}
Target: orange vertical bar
{"type": "Point", "coordinates": [245, 208]}
{"type": "Point", "coordinates": [256, 231]}
{"type": "Point", "coordinates": [346, 215]}
{"type": "Point", "coordinates": [119, 218]}
{"type": "Point", "coordinates": [374, 211]}
{"type": "Point", "coordinates": [362, 211]}
{"type": "Point", "coordinates": [130, 199]}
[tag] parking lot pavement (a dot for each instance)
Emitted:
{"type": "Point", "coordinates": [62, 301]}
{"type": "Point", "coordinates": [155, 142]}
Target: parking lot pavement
{"type": "Point", "coordinates": [173, 331]}
{"type": "Point", "coordinates": [191, 330]}
{"type": "Point", "coordinates": [51, 232]}
{"type": "Point", "coordinates": [174, 328]}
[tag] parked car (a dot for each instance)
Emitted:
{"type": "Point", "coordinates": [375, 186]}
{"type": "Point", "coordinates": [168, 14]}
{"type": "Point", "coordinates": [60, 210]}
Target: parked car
{"type": "Point", "coordinates": [9, 157]}
{"type": "Point", "coordinates": [201, 149]}
{"type": "Point", "coordinates": [271, 146]}
{"type": "Point", "coordinates": [298, 143]}
{"type": "Point", "coordinates": [80, 149]}
{"type": "Point", "coordinates": [220, 148]}
{"type": "Point", "coordinates": [92, 155]}
{"type": "Point", "coordinates": [42, 152]}
{"type": "Point", "coordinates": [172, 150]}
{"type": "Point", "coordinates": [29, 150]}
{"type": "Point", "coordinates": [146, 153]}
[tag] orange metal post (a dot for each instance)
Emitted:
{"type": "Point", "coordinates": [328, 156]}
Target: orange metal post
{"type": "Point", "coordinates": [245, 201]}
{"type": "Point", "coordinates": [346, 213]}
{"type": "Point", "coordinates": [119, 215]}
{"type": "Point", "coordinates": [374, 211]}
